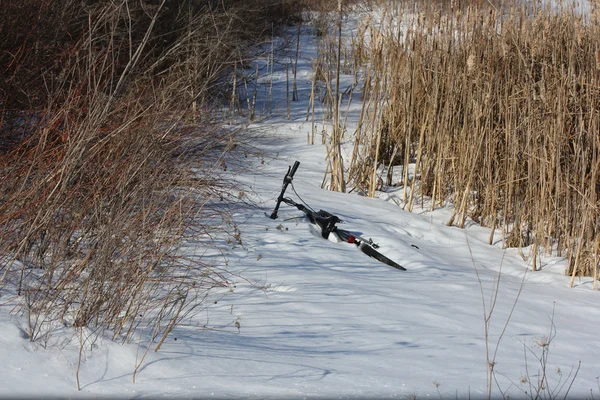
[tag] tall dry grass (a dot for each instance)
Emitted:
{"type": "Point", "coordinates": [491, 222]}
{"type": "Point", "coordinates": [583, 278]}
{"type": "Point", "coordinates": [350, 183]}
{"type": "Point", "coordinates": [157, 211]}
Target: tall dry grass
{"type": "Point", "coordinates": [498, 108]}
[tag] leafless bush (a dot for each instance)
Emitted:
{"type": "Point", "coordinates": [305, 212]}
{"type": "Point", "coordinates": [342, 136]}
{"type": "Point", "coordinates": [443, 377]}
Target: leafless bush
{"type": "Point", "coordinates": [109, 156]}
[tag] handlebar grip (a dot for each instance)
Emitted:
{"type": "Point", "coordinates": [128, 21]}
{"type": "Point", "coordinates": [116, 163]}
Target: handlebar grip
{"type": "Point", "coordinates": [294, 168]}
{"type": "Point", "coordinates": [286, 181]}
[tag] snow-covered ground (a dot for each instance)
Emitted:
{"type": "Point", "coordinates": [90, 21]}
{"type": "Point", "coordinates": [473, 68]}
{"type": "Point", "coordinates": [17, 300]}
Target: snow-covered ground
{"type": "Point", "coordinates": [314, 318]}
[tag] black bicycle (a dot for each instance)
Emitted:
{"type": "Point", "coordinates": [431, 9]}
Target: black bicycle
{"type": "Point", "coordinates": [327, 223]}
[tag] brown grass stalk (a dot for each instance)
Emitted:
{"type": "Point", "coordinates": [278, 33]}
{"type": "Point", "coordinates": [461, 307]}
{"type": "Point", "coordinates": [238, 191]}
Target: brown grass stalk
{"type": "Point", "coordinates": [498, 108]}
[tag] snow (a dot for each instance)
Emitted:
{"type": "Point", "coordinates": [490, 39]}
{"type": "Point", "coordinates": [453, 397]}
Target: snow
{"type": "Point", "coordinates": [321, 319]}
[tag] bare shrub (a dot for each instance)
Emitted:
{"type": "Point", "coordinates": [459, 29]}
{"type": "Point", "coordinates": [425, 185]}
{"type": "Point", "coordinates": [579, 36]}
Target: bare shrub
{"type": "Point", "coordinates": [110, 151]}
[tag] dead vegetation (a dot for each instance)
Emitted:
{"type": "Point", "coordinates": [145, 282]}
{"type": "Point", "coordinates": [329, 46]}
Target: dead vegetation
{"type": "Point", "coordinates": [110, 146]}
{"type": "Point", "coordinates": [497, 107]}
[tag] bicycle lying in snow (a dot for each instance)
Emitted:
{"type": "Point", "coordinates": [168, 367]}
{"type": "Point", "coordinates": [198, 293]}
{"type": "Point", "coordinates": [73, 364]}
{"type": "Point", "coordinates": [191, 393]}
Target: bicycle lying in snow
{"type": "Point", "coordinates": [327, 222]}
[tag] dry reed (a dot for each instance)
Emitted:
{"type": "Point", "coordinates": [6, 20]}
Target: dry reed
{"type": "Point", "coordinates": [498, 108]}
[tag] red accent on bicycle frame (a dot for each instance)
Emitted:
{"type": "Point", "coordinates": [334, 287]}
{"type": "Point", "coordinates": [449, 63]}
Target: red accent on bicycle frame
{"type": "Point", "coordinates": [351, 239]}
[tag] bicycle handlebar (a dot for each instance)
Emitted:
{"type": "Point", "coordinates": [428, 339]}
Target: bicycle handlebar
{"type": "Point", "coordinates": [287, 179]}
